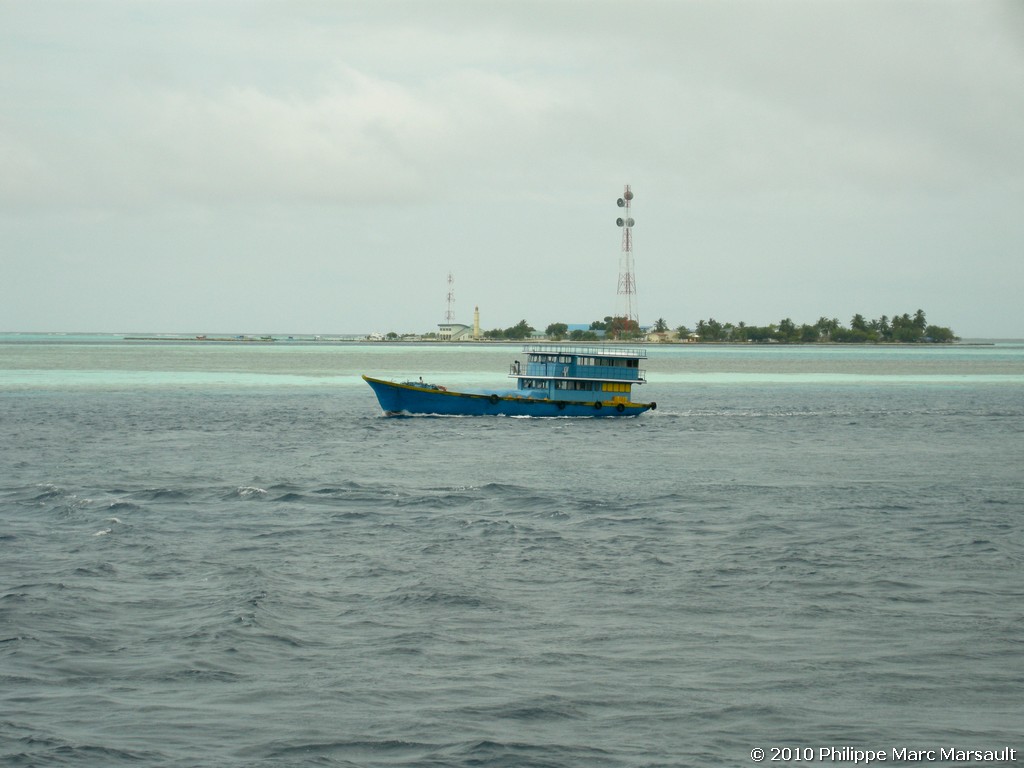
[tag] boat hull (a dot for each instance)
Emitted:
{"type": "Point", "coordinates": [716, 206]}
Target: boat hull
{"type": "Point", "coordinates": [408, 399]}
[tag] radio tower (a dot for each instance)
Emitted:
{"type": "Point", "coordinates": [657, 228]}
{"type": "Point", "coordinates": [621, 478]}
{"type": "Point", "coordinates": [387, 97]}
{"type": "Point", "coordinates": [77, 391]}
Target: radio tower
{"type": "Point", "coordinates": [626, 307]}
{"type": "Point", "coordinates": [449, 316]}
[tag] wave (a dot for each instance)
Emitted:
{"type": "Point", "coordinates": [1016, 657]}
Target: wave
{"type": "Point", "coordinates": [52, 751]}
{"type": "Point", "coordinates": [436, 597]}
{"type": "Point", "coordinates": [122, 506]}
{"type": "Point", "coordinates": [426, 754]}
{"type": "Point", "coordinates": [359, 750]}
{"type": "Point", "coordinates": [163, 494]}
{"type": "Point", "coordinates": [249, 492]}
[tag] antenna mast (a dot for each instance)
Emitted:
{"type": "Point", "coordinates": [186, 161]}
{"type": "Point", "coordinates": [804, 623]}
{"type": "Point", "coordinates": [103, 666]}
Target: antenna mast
{"type": "Point", "coordinates": [627, 309]}
{"type": "Point", "coordinates": [449, 316]}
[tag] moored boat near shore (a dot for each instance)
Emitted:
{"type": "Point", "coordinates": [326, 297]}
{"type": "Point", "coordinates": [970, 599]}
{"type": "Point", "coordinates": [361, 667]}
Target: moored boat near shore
{"type": "Point", "coordinates": [556, 381]}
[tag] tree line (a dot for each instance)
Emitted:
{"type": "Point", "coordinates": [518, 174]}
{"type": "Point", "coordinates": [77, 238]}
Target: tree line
{"type": "Point", "coordinates": [612, 328]}
{"type": "Point", "coordinates": [521, 330]}
{"type": "Point", "coordinates": [899, 329]}
{"type": "Point", "coordinates": [905, 328]}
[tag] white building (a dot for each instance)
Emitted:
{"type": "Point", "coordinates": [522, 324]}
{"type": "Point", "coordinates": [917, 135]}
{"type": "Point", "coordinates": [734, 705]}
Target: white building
{"type": "Point", "coordinates": [454, 332]}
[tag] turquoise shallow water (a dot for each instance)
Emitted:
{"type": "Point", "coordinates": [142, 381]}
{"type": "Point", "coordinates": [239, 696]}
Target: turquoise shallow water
{"type": "Point", "coordinates": [223, 555]}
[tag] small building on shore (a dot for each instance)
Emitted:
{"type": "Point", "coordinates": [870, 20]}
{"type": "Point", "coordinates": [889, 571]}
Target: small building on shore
{"type": "Point", "coordinates": [454, 332]}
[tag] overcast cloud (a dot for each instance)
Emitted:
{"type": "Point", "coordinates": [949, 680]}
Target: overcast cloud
{"type": "Point", "coordinates": [320, 167]}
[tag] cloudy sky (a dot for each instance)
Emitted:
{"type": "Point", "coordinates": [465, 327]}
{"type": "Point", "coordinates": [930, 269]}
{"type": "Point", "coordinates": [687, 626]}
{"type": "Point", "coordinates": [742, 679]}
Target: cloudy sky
{"type": "Point", "coordinates": [316, 166]}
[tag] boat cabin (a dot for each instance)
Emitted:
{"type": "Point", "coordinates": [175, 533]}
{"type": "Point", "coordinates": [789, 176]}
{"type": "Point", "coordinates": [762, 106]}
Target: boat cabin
{"type": "Point", "coordinates": [579, 373]}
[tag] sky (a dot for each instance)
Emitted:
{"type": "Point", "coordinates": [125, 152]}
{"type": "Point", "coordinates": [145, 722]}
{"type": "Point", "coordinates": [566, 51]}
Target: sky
{"type": "Point", "coordinates": [315, 166]}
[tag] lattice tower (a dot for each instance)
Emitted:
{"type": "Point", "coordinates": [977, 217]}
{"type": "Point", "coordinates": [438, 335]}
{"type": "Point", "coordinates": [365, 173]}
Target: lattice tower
{"type": "Point", "coordinates": [627, 300]}
{"type": "Point", "coordinates": [449, 315]}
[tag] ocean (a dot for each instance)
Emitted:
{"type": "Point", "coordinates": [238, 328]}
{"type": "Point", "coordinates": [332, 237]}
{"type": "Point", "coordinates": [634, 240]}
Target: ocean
{"type": "Point", "coordinates": [221, 554]}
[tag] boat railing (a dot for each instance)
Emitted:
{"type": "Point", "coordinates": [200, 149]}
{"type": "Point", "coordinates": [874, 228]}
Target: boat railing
{"type": "Point", "coordinates": [590, 351]}
{"type": "Point", "coordinates": [583, 372]}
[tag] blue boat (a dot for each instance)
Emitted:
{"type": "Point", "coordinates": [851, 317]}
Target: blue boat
{"type": "Point", "coordinates": [557, 380]}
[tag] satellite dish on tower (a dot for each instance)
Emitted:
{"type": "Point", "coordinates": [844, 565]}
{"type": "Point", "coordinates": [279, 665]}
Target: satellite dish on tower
{"type": "Point", "coordinates": [620, 222]}
{"type": "Point", "coordinates": [629, 194]}
{"type": "Point", "coordinates": [621, 202]}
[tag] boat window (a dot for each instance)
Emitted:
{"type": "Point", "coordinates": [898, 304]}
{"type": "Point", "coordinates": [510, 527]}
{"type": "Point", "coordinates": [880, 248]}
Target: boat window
{"type": "Point", "coordinates": [579, 386]}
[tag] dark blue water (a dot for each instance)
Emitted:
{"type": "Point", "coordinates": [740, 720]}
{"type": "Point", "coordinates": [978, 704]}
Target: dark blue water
{"type": "Point", "coordinates": [226, 557]}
